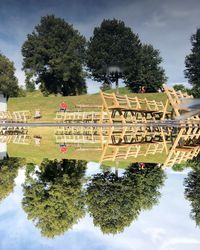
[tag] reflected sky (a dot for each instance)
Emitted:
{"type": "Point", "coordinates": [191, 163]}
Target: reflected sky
{"type": "Point", "coordinates": [166, 226]}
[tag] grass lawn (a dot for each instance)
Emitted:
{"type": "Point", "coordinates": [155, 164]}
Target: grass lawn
{"type": "Point", "coordinates": [49, 149]}
{"type": "Point", "coordinates": [49, 105]}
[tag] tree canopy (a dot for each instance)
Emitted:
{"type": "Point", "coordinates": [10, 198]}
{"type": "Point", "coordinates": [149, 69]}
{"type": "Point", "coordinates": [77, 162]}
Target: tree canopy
{"type": "Point", "coordinates": [150, 73]}
{"type": "Point", "coordinates": [192, 63]}
{"type": "Point", "coordinates": [192, 193]}
{"type": "Point", "coordinates": [111, 202]}
{"type": "Point", "coordinates": [8, 172]}
{"type": "Point", "coordinates": [54, 54]}
{"type": "Point", "coordinates": [180, 87]}
{"type": "Point", "coordinates": [8, 81]}
{"type": "Point", "coordinates": [114, 44]}
{"type": "Point", "coordinates": [114, 202]}
{"type": "Point", "coordinates": [54, 199]}
{"type": "Point", "coordinates": [147, 182]}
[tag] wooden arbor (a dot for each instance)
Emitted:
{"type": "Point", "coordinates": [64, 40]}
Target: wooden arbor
{"type": "Point", "coordinates": [175, 99]}
{"type": "Point", "coordinates": [185, 147]}
{"type": "Point", "coordinates": [124, 109]}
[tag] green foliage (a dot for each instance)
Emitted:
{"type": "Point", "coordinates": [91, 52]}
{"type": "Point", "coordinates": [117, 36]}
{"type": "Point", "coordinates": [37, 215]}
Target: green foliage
{"type": "Point", "coordinates": [195, 92]}
{"type": "Point", "coordinates": [30, 83]}
{"type": "Point", "coordinates": [106, 86]}
{"type": "Point", "coordinates": [22, 92]}
{"type": "Point", "coordinates": [192, 62]}
{"type": "Point", "coordinates": [150, 74]}
{"type": "Point", "coordinates": [147, 183]}
{"type": "Point", "coordinates": [180, 87]}
{"type": "Point", "coordinates": [114, 202]}
{"type": "Point", "coordinates": [111, 202]}
{"type": "Point", "coordinates": [54, 54]}
{"type": "Point", "coordinates": [112, 44]}
{"type": "Point", "coordinates": [8, 172]}
{"type": "Point", "coordinates": [193, 163]}
{"type": "Point", "coordinates": [54, 199]}
{"type": "Point", "coordinates": [179, 167]}
{"type": "Point", "coordinates": [192, 193]}
{"type": "Point", "coordinates": [8, 81]}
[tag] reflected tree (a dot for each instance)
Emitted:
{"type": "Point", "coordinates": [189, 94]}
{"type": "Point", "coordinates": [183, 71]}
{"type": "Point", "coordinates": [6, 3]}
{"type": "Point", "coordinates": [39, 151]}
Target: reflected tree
{"type": "Point", "coordinates": [8, 172]}
{"type": "Point", "coordinates": [53, 195]}
{"type": "Point", "coordinates": [115, 201]}
{"type": "Point", "coordinates": [147, 182]}
{"type": "Point", "coordinates": [192, 192]}
{"type": "Point", "coordinates": [111, 202]}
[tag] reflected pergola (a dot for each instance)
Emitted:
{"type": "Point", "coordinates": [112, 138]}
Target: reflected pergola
{"type": "Point", "coordinates": [179, 144]}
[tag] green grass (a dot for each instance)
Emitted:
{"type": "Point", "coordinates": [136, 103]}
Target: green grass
{"type": "Point", "coordinates": [49, 105]}
{"type": "Point", "coordinates": [49, 149]}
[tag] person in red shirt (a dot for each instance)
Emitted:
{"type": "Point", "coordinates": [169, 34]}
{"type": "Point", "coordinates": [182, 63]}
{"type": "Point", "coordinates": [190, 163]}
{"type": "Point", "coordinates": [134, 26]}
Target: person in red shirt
{"type": "Point", "coordinates": [63, 106]}
{"type": "Point", "coordinates": [142, 89]}
{"type": "Point", "coordinates": [63, 148]}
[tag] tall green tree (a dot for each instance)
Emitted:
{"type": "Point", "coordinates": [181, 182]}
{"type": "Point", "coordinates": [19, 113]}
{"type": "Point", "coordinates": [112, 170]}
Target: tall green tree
{"type": "Point", "coordinates": [192, 63]}
{"type": "Point", "coordinates": [112, 44]}
{"type": "Point", "coordinates": [150, 72]}
{"type": "Point", "coordinates": [8, 81]}
{"type": "Point", "coordinates": [53, 196]}
{"type": "Point", "coordinates": [115, 201]}
{"type": "Point", "coordinates": [54, 52]}
{"type": "Point", "coordinates": [192, 192]}
{"type": "Point", "coordinates": [8, 172]}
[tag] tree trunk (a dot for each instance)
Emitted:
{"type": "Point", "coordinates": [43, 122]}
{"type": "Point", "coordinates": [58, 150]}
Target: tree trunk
{"type": "Point", "coordinates": [117, 85]}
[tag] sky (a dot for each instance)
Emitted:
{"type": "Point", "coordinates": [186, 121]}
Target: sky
{"type": "Point", "coordinates": [165, 227]}
{"type": "Point", "coordinates": [167, 25]}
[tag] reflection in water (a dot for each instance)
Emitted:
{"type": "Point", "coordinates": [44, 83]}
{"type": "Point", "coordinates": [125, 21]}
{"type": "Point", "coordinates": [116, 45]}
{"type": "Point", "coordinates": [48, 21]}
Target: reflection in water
{"type": "Point", "coordinates": [55, 200]}
{"type": "Point", "coordinates": [57, 194]}
{"type": "Point", "coordinates": [114, 202]}
{"type": "Point", "coordinates": [8, 173]}
{"type": "Point", "coordinates": [53, 195]}
{"type": "Point", "coordinates": [166, 145]}
{"type": "Point", "coordinates": [192, 190]}
{"type": "Point", "coordinates": [179, 144]}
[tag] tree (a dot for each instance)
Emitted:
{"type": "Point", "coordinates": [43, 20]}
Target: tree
{"type": "Point", "coordinates": [112, 44]}
{"type": "Point", "coordinates": [114, 202]}
{"type": "Point", "coordinates": [54, 199]}
{"type": "Point", "coordinates": [30, 83]}
{"type": "Point", "coordinates": [147, 181]}
{"type": "Point", "coordinates": [8, 172]}
{"type": "Point", "coordinates": [180, 87]}
{"type": "Point", "coordinates": [195, 92]}
{"type": "Point", "coordinates": [192, 193]}
{"type": "Point", "coordinates": [192, 63]}
{"type": "Point", "coordinates": [150, 73]}
{"type": "Point", "coordinates": [54, 53]}
{"type": "Point", "coordinates": [8, 81]}
{"type": "Point", "coordinates": [111, 202]}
